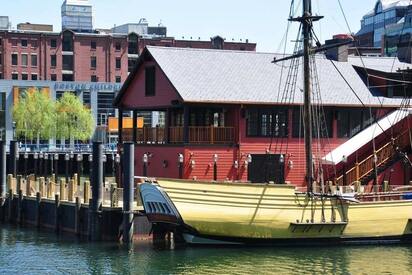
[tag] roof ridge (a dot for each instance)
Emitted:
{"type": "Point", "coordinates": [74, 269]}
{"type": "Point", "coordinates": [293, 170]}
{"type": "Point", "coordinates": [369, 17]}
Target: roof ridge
{"type": "Point", "coordinates": [209, 50]}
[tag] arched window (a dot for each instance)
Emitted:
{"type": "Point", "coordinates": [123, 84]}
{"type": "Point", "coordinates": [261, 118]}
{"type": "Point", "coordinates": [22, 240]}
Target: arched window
{"type": "Point", "coordinates": [133, 44]}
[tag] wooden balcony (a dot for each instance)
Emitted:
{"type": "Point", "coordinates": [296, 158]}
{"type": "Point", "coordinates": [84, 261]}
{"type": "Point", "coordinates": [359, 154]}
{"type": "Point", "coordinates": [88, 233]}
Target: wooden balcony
{"type": "Point", "coordinates": [196, 135]}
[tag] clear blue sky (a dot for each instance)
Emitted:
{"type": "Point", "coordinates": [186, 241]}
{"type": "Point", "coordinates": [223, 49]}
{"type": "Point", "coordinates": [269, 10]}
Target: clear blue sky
{"type": "Point", "coordinates": [261, 21]}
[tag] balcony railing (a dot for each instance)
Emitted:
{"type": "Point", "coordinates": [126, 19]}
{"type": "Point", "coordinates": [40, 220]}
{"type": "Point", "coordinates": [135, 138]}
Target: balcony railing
{"type": "Point", "coordinates": [196, 135]}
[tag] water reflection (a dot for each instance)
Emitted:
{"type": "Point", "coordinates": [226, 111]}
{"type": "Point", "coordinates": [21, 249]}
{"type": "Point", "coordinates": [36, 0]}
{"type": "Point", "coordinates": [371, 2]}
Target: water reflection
{"type": "Point", "coordinates": [29, 251]}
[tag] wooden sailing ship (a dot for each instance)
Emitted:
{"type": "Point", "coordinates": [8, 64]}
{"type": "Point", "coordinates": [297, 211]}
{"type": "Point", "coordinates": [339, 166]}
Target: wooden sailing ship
{"type": "Point", "coordinates": [357, 206]}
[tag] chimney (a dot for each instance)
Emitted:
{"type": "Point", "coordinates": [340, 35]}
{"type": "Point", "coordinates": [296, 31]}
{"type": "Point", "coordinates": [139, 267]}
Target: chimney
{"type": "Point", "coordinates": [339, 53]}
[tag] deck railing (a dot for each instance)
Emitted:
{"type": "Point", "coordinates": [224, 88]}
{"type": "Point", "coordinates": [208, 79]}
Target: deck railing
{"type": "Point", "coordinates": [383, 154]}
{"type": "Point", "coordinates": [196, 135]}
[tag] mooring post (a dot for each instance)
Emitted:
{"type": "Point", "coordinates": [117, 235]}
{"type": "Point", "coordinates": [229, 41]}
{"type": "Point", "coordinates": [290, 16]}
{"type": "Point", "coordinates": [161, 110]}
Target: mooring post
{"type": "Point", "coordinates": [97, 192]}
{"type": "Point", "coordinates": [128, 192]}
{"type": "Point", "coordinates": [14, 152]}
{"type": "Point", "coordinates": [56, 212]}
{"type": "Point", "coordinates": [67, 162]}
{"type": "Point", "coordinates": [77, 216]}
{"type": "Point", "coordinates": [20, 208]}
{"type": "Point", "coordinates": [38, 202]}
{"type": "Point", "coordinates": [3, 175]}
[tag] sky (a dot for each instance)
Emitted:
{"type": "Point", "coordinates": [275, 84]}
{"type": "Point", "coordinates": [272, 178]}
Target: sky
{"type": "Point", "coordinates": [261, 21]}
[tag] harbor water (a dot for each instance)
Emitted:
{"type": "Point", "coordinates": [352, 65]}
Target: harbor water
{"type": "Point", "coordinates": [28, 251]}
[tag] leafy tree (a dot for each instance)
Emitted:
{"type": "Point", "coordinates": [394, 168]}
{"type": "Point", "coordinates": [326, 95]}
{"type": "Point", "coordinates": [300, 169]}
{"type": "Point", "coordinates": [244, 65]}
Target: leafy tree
{"type": "Point", "coordinates": [73, 120]}
{"type": "Point", "coordinates": [34, 115]}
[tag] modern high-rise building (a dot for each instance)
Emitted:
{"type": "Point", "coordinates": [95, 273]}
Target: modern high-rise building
{"type": "Point", "coordinates": [374, 24]}
{"type": "Point", "coordinates": [77, 15]}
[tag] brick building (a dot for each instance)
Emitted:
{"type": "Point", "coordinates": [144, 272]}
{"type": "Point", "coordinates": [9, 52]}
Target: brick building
{"type": "Point", "coordinates": [94, 57]}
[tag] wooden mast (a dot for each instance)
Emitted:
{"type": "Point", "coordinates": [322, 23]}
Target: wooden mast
{"type": "Point", "coordinates": [306, 21]}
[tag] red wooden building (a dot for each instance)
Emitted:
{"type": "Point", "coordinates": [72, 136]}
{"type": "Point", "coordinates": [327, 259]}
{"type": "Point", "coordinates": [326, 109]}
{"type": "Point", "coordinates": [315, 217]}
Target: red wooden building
{"type": "Point", "coordinates": [224, 115]}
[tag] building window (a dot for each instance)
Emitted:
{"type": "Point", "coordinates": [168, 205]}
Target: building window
{"type": "Point", "coordinates": [118, 79]}
{"type": "Point", "coordinates": [93, 78]}
{"type": "Point", "coordinates": [24, 76]}
{"type": "Point", "coordinates": [352, 121]}
{"type": "Point", "coordinates": [133, 44]}
{"type": "Point", "coordinates": [34, 60]}
{"type": "Point", "coordinates": [67, 77]}
{"type": "Point", "coordinates": [86, 99]}
{"type": "Point", "coordinates": [34, 77]}
{"type": "Point", "coordinates": [53, 60]}
{"type": "Point", "coordinates": [68, 62]}
{"type": "Point", "coordinates": [93, 45]}
{"type": "Point", "coordinates": [53, 43]}
{"type": "Point", "coordinates": [93, 62]}
{"type": "Point", "coordinates": [1, 75]}
{"type": "Point", "coordinates": [267, 122]}
{"type": "Point", "coordinates": [24, 43]}
{"type": "Point", "coordinates": [15, 76]}
{"type": "Point", "coordinates": [67, 42]}
{"type": "Point", "coordinates": [118, 46]}
{"type": "Point", "coordinates": [150, 81]}
{"type": "Point", "coordinates": [118, 63]}
{"type": "Point", "coordinates": [14, 42]}
{"type": "Point", "coordinates": [14, 59]}
{"type": "Point", "coordinates": [132, 62]}
{"type": "Point", "coordinates": [324, 118]}
{"type": "Point", "coordinates": [53, 77]}
{"type": "Point", "coordinates": [34, 43]}
{"type": "Point", "coordinates": [24, 60]}
{"type": "Point", "coordinates": [1, 59]}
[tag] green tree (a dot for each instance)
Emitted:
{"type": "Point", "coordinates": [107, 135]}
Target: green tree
{"type": "Point", "coordinates": [74, 121]}
{"type": "Point", "coordinates": [34, 115]}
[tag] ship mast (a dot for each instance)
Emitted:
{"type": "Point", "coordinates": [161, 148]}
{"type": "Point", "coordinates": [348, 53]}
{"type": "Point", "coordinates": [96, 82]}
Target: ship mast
{"type": "Point", "coordinates": [306, 21]}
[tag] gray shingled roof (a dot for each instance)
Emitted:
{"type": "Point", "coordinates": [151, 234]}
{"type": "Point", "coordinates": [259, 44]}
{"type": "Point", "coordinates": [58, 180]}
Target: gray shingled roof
{"type": "Point", "coordinates": [203, 75]}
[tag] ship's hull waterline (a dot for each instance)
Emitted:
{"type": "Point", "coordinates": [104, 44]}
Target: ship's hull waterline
{"type": "Point", "coordinates": [222, 213]}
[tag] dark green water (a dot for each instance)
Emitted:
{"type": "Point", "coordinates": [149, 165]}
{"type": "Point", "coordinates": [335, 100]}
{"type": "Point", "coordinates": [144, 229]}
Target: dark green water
{"type": "Point", "coordinates": [27, 251]}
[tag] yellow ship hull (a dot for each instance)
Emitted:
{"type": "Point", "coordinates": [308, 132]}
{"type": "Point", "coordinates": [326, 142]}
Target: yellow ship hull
{"type": "Point", "coordinates": [246, 213]}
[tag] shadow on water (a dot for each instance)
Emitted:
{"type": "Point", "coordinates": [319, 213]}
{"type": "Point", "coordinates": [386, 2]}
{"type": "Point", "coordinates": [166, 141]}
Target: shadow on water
{"type": "Point", "coordinates": [29, 251]}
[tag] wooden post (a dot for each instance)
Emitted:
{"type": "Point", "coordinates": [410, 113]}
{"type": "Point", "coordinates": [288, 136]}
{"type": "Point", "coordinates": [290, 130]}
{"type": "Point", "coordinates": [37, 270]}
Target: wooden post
{"type": "Point", "coordinates": [18, 184]}
{"type": "Point", "coordinates": [10, 183]}
{"type": "Point", "coordinates": [10, 205]}
{"type": "Point", "coordinates": [70, 193]}
{"type": "Point", "coordinates": [56, 212]}
{"type": "Point", "coordinates": [38, 202]}
{"type": "Point", "coordinates": [86, 192]}
{"type": "Point", "coordinates": [28, 187]}
{"type": "Point", "coordinates": [385, 186]}
{"type": "Point", "coordinates": [20, 208]}
{"type": "Point", "coordinates": [41, 186]}
{"type": "Point", "coordinates": [114, 199]}
{"type": "Point", "coordinates": [77, 216]}
{"type": "Point", "coordinates": [357, 172]}
{"type": "Point", "coordinates": [62, 189]}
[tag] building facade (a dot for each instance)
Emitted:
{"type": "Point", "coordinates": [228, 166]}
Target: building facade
{"type": "Point", "coordinates": [97, 96]}
{"type": "Point", "coordinates": [224, 119]}
{"type": "Point", "coordinates": [77, 15]}
{"type": "Point", "coordinates": [374, 23]}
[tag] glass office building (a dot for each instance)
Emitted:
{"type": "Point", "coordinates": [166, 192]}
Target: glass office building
{"type": "Point", "coordinates": [77, 15]}
{"type": "Point", "coordinates": [375, 23]}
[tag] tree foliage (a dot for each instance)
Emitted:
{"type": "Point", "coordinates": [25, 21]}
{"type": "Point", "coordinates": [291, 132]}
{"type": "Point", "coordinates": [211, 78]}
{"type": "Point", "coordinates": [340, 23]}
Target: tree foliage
{"type": "Point", "coordinates": [74, 120]}
{"type": "Point", "coordinates": [34, 115]}
{"type": "Point", "coordinates": [37, 116]}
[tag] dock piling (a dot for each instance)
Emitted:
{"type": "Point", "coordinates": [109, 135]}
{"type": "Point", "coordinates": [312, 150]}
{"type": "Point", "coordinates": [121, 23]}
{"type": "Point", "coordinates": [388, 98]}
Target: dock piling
{"type": "Point", "coordinates": [14, 155]}
{"type": "Point", "coordinates": [3, 175]}
{"type": "Point", "coordinates": [128, 192]}
{"type": "Point", "coordinates": [97, 192]}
